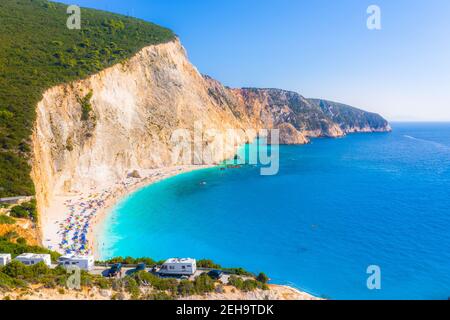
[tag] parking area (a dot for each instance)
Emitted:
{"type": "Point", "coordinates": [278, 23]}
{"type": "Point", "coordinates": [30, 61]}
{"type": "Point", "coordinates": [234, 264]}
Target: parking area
{"type": "Point", "coordinates": [129, 270]}
{"type": "Point", "coordinates": [103, 271]}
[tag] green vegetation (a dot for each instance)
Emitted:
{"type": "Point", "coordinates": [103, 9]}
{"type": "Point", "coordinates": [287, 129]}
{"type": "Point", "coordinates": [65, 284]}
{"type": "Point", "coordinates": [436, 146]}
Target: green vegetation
{"type": "Point", "coordinates": [16, 249]}
{"type": "Point", "coordinates": [86, 106]}
{"type": "Point", "coordinates": [262, 278]}
{"type": "Point", "coordinates": [131, 261]}
{"type": "Point", "coordinates": [21, 241]}
{"type": "Point", "coordinates": [19, 212]}
{"type": "Point", "coordinates": [17, 275]}
{"type": "Point", "coordinates": [38, 273]}
{"type": "Point", "coordinates": [11, 235]}
{"type": "Point", "coordinates": [38, 51]}
{"type": "Point", "coordinates": [6, 220]}
{"type": "Point", "coordinates": [246, 285]}
{"type": "Point", "coordinates": [209, 264]}
{"type": "Point", "coordinates": [201, 285]}
{"type": "Point", "coordinates": [25, 211]}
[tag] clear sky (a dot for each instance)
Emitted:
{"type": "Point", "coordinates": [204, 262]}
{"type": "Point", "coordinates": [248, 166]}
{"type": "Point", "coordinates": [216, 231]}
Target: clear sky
{"type": "Point", "coordinates": [319, 48]}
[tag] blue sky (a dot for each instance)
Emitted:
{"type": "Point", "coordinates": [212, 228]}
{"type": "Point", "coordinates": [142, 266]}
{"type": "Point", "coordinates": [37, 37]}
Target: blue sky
{"type": "Point", "coordinates": [319, 48]}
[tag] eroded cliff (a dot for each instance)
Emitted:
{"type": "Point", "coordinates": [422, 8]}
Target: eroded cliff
{"type": "Point", "coordinates": [95, 131]}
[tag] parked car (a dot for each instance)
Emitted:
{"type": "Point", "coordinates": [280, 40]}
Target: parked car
{"type": "Point", "coordinates": [215, 274]}
{"type": "Point", "coordinates": [115, 269]}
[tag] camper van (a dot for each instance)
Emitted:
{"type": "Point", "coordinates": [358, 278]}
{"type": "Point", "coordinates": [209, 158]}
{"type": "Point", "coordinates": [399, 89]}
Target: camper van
{"type": "Point", "coordinates": [179, 266]}
{"type": "Point", "coordinates": [4, 259]}
{"type": "Point", "coordinates": [82, 262]}
{"type": "Point", "coordinates": [30, 259]}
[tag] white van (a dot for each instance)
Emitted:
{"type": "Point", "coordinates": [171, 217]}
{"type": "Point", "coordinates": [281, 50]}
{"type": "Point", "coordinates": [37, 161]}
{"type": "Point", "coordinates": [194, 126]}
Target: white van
{"type": "Point", "coordinates": [30, 259]}
{"type": "Point", "coordinates": [179, 266]}
{"type": "Point", "coordinates": [82, 262]}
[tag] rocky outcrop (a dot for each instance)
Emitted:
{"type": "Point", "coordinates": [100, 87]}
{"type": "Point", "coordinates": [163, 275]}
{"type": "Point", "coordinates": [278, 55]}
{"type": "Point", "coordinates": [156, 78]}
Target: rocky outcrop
{"type": "Point", "coordinates": [95, 131]}
{"type": "Point", "coordinates": [300, 119]}
{"type": "Point", "coordinates": [351, 119]}
{"type": "Point", "coordinates": [288, 111]}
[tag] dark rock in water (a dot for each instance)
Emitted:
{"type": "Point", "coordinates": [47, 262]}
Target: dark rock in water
{"type": "Point", "coordinates": [135, 174]}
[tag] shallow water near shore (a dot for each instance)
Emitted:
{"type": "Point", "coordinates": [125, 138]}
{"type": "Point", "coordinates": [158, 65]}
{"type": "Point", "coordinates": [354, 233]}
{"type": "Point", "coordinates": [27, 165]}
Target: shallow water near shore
{"type": "Point", "coordinates": [336, 207]}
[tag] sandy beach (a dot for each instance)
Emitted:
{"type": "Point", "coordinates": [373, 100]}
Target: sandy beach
{"type": "Point", "coordinates": [72, 222]}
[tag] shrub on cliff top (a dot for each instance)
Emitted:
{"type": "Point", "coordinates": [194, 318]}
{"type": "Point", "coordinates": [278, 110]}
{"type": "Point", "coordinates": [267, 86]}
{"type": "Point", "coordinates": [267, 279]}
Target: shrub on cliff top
{"type": "Point", "coordinates": [247, 284]}
{"type": "Point", "coordinates": [262, 278]}
{"type": "Point", "coordinates": [25, 211]}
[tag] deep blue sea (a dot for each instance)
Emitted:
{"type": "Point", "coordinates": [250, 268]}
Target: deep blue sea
{"type": "Point", "coordinates": [336, 207]}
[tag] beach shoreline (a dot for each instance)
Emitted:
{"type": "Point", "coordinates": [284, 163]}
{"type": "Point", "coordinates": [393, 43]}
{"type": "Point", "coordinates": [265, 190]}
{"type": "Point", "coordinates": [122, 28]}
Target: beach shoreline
{"type": "Point", "coordinates": [55, 218]}
{"type": "Point", "coordinates": [165, 173]}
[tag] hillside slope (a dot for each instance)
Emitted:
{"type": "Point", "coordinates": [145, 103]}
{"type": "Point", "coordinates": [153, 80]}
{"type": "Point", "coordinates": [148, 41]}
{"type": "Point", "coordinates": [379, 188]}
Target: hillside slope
{"type": "Point", "coordinates": [37, 52]}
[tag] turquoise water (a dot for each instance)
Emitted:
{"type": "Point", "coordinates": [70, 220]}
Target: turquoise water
{"type": "Point", "coordinates": [336, 207]}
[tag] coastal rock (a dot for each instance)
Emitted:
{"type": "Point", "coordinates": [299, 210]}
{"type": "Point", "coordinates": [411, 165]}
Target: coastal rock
{"type": "Point", "coordinates": [135, 174]}
{"type": "Point", "coordinates": [290, 135]}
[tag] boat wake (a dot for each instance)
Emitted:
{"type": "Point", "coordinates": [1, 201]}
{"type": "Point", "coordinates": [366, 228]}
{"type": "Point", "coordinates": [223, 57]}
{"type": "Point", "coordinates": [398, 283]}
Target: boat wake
{"type": "Point", "coordinates": [434, 143]}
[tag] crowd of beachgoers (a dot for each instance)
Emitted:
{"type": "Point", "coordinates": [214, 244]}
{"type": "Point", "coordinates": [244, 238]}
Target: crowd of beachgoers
{"type": "Point", "coordinates": [81, 212]}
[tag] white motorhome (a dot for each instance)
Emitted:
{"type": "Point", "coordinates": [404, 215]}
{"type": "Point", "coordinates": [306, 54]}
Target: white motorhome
{"type": "Point", "coordinates": [5, 258]}
{"type": "Point", "coordinates": [82, 262]}
{"type": "Point", "coordinates": [179, 266]}
{"type": "Point", "coordinates": [30, 259]}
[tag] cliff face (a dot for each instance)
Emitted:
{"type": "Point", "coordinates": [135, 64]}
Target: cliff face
{"type": "Point", "coordinates": [95, 131]}
{"type": "Point", "coordinates": [295, 117]}
{"type": "Point", "coordinates": [135, 107]}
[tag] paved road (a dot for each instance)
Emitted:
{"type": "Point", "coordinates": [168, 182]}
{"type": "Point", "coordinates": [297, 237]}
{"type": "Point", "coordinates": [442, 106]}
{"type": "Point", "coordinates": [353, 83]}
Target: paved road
{"type": "Point", "coordinates": [103, 271]}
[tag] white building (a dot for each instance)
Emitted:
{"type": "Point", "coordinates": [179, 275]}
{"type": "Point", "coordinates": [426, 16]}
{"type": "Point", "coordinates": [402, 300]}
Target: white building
{"type": "Point", "coordinates": [179, 266]}
{"type": "Point", "coordinates": [82, 262]}
{"type": "Point", "coordinates": [5, 258]}
{"type": "Point", "coordinates": [30, 259]}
